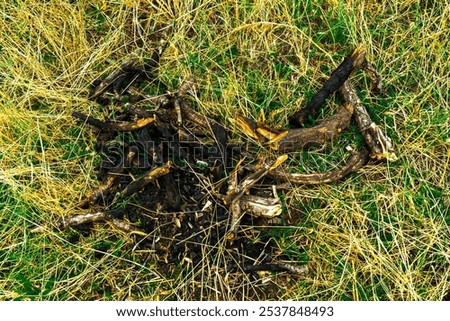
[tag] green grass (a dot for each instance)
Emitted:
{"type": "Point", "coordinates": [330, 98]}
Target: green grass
{"type": "Point", "coordinates": [382, 234]}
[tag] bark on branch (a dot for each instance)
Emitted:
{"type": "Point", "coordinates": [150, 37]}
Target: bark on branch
{"type": "Point", "coordinates": [357, 160]}
{"type": "Point", "coordinates": [356, 59]}
{"type": "Point", "coordinates": [379, 143]}
{"type": "Point", "coordinates": [108, 126]}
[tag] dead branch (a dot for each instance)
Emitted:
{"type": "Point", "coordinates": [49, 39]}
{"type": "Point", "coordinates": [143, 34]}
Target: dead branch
{"type": "Point", "coordinates": [376, 84]}
{"type": "Point", "coordinates": [380, 145]}
{"type": "Point", "coordinates": [144, 180]}
{"type": "Point", "coordinates": [122, 225]}
{"type": "Point", "coordinates": [217, 129]}
{"type": "Point", "coordinates": [259, 206]}
{"type": "Point", "coordinates": [114, 76]}
{"type": "Point", "coordinates": [354, 60]}
{"type": "Point", "coordinates": [277, 267]}
{"type": "Point", "coordinates": [295, 139]}
{"type": "Point", "coordinates": [236, 191]}
{"type": "Point", "coordinates": [129, 68]}
{"type": "Point", "coordinates": [74, 220]}
{"type": "Point", "coordinates": [353, 163]}
{"type": "Point", "coordinates": [252, 179]}
{"type": "Point", "coordinates": [173, 131]}
{"type": "Point", "coordinates": [107, 184]}
{"type": "Point", "coordinates": [108, 126]}
{"type": "Point", "coordinates": [235, 207]}
{"type": "Point", "coordinates": [327, 130]}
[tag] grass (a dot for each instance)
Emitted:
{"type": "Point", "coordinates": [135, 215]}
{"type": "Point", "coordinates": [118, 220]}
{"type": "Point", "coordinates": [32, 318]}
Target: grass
{"type": "Point", "coordinates": [380, 235]}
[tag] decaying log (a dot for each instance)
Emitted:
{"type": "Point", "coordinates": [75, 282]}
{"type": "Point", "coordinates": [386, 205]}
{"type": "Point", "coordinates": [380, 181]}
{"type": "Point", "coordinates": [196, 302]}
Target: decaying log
{"type": "Point", "coordinates": [380, 145]}
{"type": "Point", "coordinates": [356, 59]}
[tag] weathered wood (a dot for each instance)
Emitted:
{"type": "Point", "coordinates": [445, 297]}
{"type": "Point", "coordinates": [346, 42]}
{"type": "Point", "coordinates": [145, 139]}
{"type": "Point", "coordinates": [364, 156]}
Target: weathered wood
{"type": "Point", "coordinates": [108, 126]}
{"type": "Point", "coordinates": [327, 130]}
{"type": "Point", "coordinates": [277, 267]}
{"type": "Point", "coordinates": [353, 163]}
{"type": "Point", "coordinates": [379, 143]}
{"type": "Point", "coordinates": [78, 219]}
{"type": "Point", "coordinates": [236, 191]}
{"type": "Point", "coordinates": [356, 59]}
{"type": "Point", "coordinates": [259, 206]}
{"type": "Point", "coordinates": [145, 179]}
{"type": "Point", "coordinates": [252, 179]}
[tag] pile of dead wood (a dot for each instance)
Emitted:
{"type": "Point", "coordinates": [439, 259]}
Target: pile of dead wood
{"type": "Point", "coordinates": [171, 175]}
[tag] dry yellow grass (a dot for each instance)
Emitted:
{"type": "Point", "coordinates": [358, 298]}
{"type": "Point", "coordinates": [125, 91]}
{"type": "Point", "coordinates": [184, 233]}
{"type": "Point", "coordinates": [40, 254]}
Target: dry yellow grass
{"type": "Point", "coordinates": [382, 234]}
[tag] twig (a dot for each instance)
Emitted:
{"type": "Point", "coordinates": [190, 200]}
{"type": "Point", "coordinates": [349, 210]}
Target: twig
{"type": "Point", "coordinates": [236, 191]}
{"type": "Point", "coordinates": [108, 183]}
{"type": "Point", "coordinates": [278, 267]}
{"type": "Point", "coordinates": [259, 206]}
{"type": "Point", "coordinates": [252, 179]}
{"type": "Point", "coordinates": [74, 220]}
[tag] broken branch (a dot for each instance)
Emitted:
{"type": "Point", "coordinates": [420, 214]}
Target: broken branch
{"type": "Point", "coordinates": [354, 60]}
{"type": "Point", "coordinates": [145, 179]}
{"type": "Point", "coordinates": [108, 183]}
{"type": "Point", "coordinates": [328, 129]}
{"type": "Point", "coordinates": [108, 126]}
{"type": "Point", "coordinates": [380, 145]}
{"type": "Point", "coordinates": [353, 163]}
